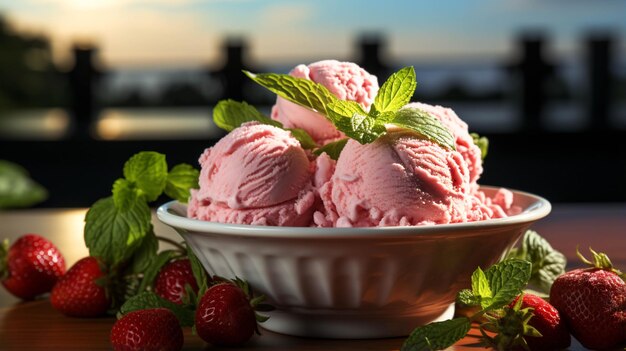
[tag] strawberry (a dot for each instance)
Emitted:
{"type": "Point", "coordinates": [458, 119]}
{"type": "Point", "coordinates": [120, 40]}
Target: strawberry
{"type": "Point", "coordinates": [171, 281]}
{"type": "Point", "coordinates": [80, 293]}
{"type": "Point", "coordinates": [151, 329]}
{"type": "Point", "coordinates": [529, 323]}
{"type": "Point", "coordinates": [547, 321]}
{"type": "Point", "coordinates": [593, 302]}
{"type": "Point", "coordinates": [225, 315]}
{"type": "Point", "coordinates": [31, 266]}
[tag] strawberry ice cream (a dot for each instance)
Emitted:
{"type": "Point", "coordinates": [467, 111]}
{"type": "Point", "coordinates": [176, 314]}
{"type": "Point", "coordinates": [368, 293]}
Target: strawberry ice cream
{"type": "Point", "coordinates": [257, 174]}
{"type": "Point", "coordinates": [401, 179]}
{"type": "Point", "coordinates": [345, 80]}
{"type": "Point", "coordinates": [463, 140]}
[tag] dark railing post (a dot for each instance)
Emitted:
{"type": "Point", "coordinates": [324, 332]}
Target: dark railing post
{"type": "Point", "coordinates": [599, 61]}
{"type": "Point", "coordinates": [82, 79]}
{"type": "Point", "coordinates": [532, 71]}
{"type": "Point", "coordinates": [231, 78]}
{"type": "Point", "coordinates": [370, 48]}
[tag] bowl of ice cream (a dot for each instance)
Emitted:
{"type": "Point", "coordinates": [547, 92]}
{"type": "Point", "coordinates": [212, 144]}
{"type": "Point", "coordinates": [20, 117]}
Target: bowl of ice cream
{"type": "Point", "coordinates": [369, 244]}
{"type": "Point", "coordinates": [355, 282]}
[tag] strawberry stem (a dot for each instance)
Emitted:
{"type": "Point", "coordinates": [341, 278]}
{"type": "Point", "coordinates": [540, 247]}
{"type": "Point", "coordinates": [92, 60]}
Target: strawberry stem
{"type": "Point", "coordinates": [600, 261]}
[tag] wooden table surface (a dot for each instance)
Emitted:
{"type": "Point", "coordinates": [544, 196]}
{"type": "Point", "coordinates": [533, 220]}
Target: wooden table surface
{"type": "Point", "coordinates": [36, 326]}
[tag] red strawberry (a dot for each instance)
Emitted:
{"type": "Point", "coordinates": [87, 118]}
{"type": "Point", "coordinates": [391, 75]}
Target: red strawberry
{"type": "Point", "coordinates": [225, 315]}
{"type": "Point", "coordinates": [171, 281]}
{"type": "Point", "coordinates": [593, 303]}
{"type": "Point", "coordinates": [547, 321]}
{"type": "Point", "coordinates": [31, 266]}
{"type": "Point", "coordinates": [151, 329]}
{"type": "Point", "coordinates": [78, 294]}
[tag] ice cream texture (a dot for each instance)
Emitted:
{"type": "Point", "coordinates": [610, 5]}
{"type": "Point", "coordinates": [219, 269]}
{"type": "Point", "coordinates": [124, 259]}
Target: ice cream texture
{"type": "Point", "coordinates": [346, 80]}
{"type": "Point", "coordinates": [259, 174]}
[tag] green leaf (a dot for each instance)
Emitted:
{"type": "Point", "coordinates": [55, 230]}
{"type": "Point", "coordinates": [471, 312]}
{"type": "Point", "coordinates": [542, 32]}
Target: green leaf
{"type": "Point", "coordinates": [466, 298]}
{"type": "Point", "coordinates": [482, 143]}
{"type": "Point", "coordinates": [547, 263]}
{"type": "Point", "coordinates": [300, 91]}
{"type": "Point", "coordinates": [148, 170]}
{"type": "Point", "coordinates": [198, 272]}
{"type": "Point", "coordinates": [147, 299]}
{"type": "Point", "coordinates": [230, 114]}
{"type": "Point", "coordinates": [306, 141]}
{"type": "Point", "coordinates": [396, 91]}
{"type": "Point", "coordinates": [17, 189]}
{"type": "Point", "coordinates": [113, 235]}
{"type": "Point", "coordinates": [481, 288]}
{"type": "Point", "coordinates": [332, 149]}
{"type": "Point", "coordinates": [426, 125]}
{"type": "Point", "coordinates": [437, 336]}
{"type": "Point", "coordinates": [180, 180]}
{"type": "Point", "coordinates": [146, 253]}
{"type": "Point", "coordinates": [125, 193]}
{"type": "Point", "coordinates": [507, 279]}
{"type": "Point", "coordinates": [349, 117]}
{"type": "Point", "coordinates": [158, 261]}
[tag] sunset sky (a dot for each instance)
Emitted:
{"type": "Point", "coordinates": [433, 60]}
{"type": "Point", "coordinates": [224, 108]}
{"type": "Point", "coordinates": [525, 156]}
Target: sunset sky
{"type": "Point", "coordinates": [190, 32]}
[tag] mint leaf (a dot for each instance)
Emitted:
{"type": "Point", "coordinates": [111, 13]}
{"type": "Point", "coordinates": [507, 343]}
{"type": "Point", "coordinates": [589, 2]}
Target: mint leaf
{"type": "Point", "coordinates": [396, 91]}
{"type": "Point", "coordinates": [230, 114]}
{"type": "Point", "coordinates": [547, 263]}
{"type": "Point", "coordinates": [113, 235]}
{"type": "Point", "coordinates": [332, 149]}
{"type": "Point", "coordinates": [124, 193]}
{"type": "Point", "coordinates": [426, 125]}
{"type": "Point", "coordinates": [466, 298]}
{"type": "Point", "coordinates": [507, 279]}
{"type": "Point", "coordinates": [349, 117]}
{"type": "Point", "coordinates": [146, 253]}
{"type": "Point", "coordinates": [300, 91]}
{"type": "Point", "coordinates": [17, 189]}
{"type": "Point", "coordinates": [180, 180]}
{"type": "Point", "coordinates": [148, 170]}
{"type": "Point", "coordinates": [155, 265]}
{"type": "Point", "coordinates": [147, 299]}
{"type": "Point", "coordinates": [437, 336]}
{"type": "Point", "coordinates": [481, 288]}
{"type": "Point", "coordinates": [482, 143]}
{"type": "Point", "coordinates": [198, 272]}
{"type": "Point", "coordinates": [306, 141]}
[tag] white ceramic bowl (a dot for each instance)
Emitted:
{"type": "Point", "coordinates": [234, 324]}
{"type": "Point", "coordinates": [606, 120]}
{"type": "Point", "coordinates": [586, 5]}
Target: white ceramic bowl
{"type": "Point", "coordinates": [355, 282]}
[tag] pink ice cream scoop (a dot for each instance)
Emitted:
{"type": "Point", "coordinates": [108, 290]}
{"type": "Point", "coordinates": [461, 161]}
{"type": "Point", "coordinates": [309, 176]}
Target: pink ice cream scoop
{"type": "Point", "coordinates": [463, 140]}
{"type": "Point", "coordinates": [346, 80]}
{"type": "Point", "coordinates": [397, 180]}
{"type": "Point", "coordinates": [257, 174]}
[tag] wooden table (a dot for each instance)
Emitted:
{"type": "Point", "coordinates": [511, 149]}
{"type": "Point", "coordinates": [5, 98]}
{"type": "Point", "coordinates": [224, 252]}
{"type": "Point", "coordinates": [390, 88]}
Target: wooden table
{"type": "Point", "coordinates": [35, 325]}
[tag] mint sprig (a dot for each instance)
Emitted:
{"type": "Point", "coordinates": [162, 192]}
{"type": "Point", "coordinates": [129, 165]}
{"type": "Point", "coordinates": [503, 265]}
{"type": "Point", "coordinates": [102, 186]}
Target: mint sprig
{"type": "Point", "coordinates": [547, 263]}
{"type": "Point", "coordinates": [351, 119]}
{"type": "Point", "coordinates": [492, 289]}
{"type": "Point", "coordinates": [332, 149]}
{"type": "Point", "coordinates": [116, 226]}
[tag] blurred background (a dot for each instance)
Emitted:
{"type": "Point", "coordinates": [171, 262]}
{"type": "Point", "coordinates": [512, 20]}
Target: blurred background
{"type": "Point", "coordinates": [84, 84]}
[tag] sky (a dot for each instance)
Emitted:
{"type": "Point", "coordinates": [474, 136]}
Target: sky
{"type": "Point", "coordinates": [191, 32]}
